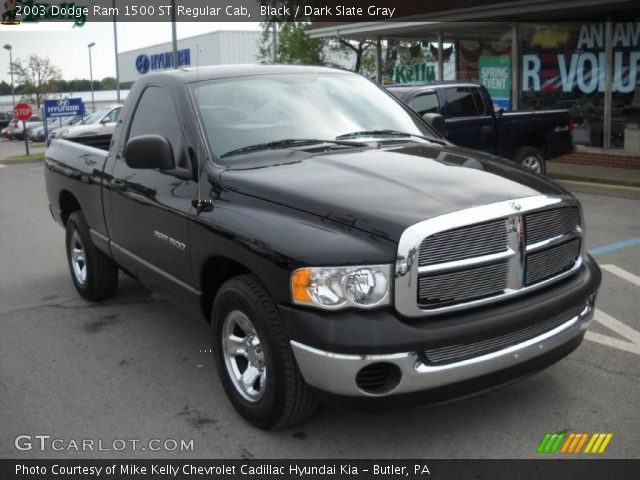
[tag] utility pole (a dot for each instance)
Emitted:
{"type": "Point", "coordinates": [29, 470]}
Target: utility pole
{"type": "Point", "coordinates": [115, 42]}
{"type": "Point", "coordinates": [13, 88]}
{"type": "Point", "coordinates": [174, 35]}
{"type": "Point", "coordinates": [93, 101]}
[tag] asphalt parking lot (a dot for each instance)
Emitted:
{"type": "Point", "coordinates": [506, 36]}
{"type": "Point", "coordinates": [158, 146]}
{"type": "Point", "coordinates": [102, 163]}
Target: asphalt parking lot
{"type": "Point", "coordinates": [132, 368]}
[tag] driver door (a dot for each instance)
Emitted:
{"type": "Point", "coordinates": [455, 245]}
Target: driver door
{"type": "Point", "coordinates": [148, 210]}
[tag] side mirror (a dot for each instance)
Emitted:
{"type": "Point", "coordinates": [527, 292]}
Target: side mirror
{"type": "Point", "coordinates": [437, 122]}
{"type": "Point", "coordinates": [149, 152]}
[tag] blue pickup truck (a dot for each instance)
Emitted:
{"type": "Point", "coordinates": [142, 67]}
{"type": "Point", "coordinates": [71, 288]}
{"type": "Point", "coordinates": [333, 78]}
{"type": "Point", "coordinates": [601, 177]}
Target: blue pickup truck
{"type": "Point", "coordinates": [465, 115]}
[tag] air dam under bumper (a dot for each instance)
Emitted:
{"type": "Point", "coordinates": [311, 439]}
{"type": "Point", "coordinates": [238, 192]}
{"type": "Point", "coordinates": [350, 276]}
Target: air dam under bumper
{"type": "Point", "coordinates": [337, 373]}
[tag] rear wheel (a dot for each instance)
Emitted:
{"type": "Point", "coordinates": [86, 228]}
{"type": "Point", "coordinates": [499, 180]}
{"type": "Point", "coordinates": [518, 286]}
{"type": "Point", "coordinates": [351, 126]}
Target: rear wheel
{"type": "Point", "coordinates": [254, 358]}
{"type": "Point", "coordinates": [531, 158]}
{"type": "Point", "coordinates": [94, 275]}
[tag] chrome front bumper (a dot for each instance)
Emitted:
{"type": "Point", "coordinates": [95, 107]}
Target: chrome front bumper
{"type": "Point", "coordinates": [336, 373]}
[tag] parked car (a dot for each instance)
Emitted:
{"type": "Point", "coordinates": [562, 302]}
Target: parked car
{"type": "Point", "coordinates": [37, 134]}
{"type": "Point", "coordinates": [470, 120]}
{"type": "Point", "coordinates": [62, 123]}
{"type": "Point", "coordinates": [5, 119]}
{"type": "Point", "coordinates": [339, 247]}
{"type": "Point", "coordinates": [16, 127]}
{"type": "Point", "coordinates": [100, 122]}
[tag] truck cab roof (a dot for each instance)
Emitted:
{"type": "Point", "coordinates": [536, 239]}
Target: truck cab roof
{"type": "Point", "coordinates": [199, 74]}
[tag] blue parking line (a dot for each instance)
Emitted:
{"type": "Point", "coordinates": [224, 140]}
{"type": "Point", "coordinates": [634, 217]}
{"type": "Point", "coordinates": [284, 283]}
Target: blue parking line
{"type": "Point", "coordinates": [632, 242]}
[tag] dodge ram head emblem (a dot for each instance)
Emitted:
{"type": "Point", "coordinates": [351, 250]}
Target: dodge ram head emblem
{"type": "Point", "coordinates": [516, 206]}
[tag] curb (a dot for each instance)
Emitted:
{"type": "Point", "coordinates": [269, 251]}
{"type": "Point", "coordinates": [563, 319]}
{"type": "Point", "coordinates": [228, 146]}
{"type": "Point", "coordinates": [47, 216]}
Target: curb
{"type": "Point", "coordinates": [7, 162]}
{"type": "Point", "coordinates": [600, 189]}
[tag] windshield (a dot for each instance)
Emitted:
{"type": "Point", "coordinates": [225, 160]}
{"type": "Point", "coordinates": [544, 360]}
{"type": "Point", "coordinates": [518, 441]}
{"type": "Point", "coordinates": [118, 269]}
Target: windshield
{"type": "Point", "coordinates": [243, 112]}
{"type": "Point", "coordinates": [96, 116]}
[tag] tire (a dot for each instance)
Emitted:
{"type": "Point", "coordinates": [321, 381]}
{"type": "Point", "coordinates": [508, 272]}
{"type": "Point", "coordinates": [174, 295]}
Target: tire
{"type": "Point", "coordinates": [531, 158]}
{"type": "Point", "coordinates": [278, 397]}
{"type": "Point", "coordinates": [94, 275]}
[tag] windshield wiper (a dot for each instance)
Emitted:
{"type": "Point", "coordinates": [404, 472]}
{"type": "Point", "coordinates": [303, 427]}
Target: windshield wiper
{"type": "Point", "coordinates": [290, 142]}
{"type": "Point", "coordinates": [389, 133]}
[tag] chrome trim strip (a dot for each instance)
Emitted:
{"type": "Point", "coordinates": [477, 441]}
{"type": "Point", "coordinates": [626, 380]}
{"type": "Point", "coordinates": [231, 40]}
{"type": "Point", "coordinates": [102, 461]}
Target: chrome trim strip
{"type": "Point", "coordinates": [467, 262]}
{"type": "Point", "coordinates": [407, 268]}
{"type": "Point", "coordinates": [336, 373]}
{"type": "Point", "coordinates": [552, 241]}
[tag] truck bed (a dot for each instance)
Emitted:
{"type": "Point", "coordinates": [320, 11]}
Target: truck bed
{"type": "Point", "coordinates": [71, 166]}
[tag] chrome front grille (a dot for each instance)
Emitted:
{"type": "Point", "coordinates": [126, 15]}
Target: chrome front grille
{"type": "Point", "coordinates": [547, 224]}
{"type": "Point", "coordinates": [466, 242]}
{"type": "Point", "coordinates": [551, 261]}
{"type": "Point", "coordinates": [440, 289]}
{"type": "Point", "coordinates": [462, 351]}
{"type": "Point", "coordinates": [486, 253]}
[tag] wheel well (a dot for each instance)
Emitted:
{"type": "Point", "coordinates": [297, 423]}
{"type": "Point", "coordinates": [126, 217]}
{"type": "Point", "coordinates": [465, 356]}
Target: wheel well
{"type": "Point", "coordinates": [68, 205]}
{"type": "Point", "coordinates": [215, 272]}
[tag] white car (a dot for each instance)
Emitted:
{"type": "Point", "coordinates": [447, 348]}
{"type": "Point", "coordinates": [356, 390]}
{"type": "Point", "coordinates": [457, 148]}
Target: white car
{"type": "Point", "coordinates": [100, 122]}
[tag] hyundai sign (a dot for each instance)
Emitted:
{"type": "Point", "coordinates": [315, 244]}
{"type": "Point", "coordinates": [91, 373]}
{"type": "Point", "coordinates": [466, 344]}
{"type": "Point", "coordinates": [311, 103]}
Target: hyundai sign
{"type": "Point", "coordinates": [161, 61]}
{"type": "Point", "coordinates": [65, 107]}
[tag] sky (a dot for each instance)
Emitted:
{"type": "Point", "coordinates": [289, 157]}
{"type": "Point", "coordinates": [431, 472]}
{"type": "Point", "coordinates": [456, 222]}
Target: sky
{"type": "Point", "coordinates": [66, 45]}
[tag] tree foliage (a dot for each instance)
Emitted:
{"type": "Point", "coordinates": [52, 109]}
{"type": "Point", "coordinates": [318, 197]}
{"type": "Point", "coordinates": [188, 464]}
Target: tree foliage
{"type": "Point", "coordinates": [34, 74]}
{"type": "Point", "coordinates": [293, 46]}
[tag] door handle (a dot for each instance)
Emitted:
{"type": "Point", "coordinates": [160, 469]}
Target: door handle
{"type": "Point", "coordinates": [118, 184]}
{"type": "Point", "coordinates": [486, 129]}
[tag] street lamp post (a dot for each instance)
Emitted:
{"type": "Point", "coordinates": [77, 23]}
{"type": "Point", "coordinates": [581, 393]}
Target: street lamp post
{"type": "Point", "coordinates": [13, 90]}
{"type": "Point", "coordinates": [93, 101]}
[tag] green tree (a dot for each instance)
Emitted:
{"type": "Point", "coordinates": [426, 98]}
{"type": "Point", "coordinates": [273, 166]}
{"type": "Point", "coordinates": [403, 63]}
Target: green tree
{"type": "Point", "coordinates": [294, 46]}
{"type": "Point", "coordinates": [5, 88]}
{"type": "Point", "coordinates": [359, 48]}
{"type": "Point", "coordinates": [34, 74]}
{"type": "Point", "coordinates": [108, 83]}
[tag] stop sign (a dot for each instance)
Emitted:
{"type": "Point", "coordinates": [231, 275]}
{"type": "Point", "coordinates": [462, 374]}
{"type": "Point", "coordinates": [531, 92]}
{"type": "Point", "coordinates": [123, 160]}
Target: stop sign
{"type": "Point", "coordinates": [22, 111]}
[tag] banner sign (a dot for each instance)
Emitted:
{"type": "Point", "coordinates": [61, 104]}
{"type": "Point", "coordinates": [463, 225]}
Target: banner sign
{"type": "Point", "coordinates": [495, 75]}
{"type": "Point", "coordinates": [65, 107]}
{"type": "Point", "coordinates": [584, 69]}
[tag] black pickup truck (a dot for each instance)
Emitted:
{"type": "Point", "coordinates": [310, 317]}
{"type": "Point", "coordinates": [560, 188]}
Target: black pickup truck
{"type": "Point", "coordinates": [340, 248]}
{"type": "Point", "coordinates": [470, 120]}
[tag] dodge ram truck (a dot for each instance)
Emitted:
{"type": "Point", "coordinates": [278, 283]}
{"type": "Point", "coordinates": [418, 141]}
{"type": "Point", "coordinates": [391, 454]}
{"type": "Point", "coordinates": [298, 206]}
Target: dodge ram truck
{"type": "Point", "coordinates": [470, 120]}
{"type": "Point", "coordinates": [340, 248]}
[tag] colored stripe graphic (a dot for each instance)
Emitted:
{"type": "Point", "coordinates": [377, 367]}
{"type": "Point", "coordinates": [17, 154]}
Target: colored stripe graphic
{"type": "Point", "coordinates": [551, 442]}
{"type": "Point", "coordinates": [598, 443]}
{"type": "Point", "coordinates": [572, 443]}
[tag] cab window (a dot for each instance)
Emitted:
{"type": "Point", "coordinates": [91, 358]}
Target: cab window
{"type": "Point", "coordinates": [460, 102]}
{"type": "Point", "coordinates": [425, 103]}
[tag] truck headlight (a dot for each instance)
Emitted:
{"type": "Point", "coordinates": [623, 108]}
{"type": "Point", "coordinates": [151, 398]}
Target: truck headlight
{"type": "Point", "coordinates": [332, 288]}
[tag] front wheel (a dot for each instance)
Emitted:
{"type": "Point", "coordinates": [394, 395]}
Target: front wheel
{"type": "Point", "coordinates": [254, 358]}
{"type": "Point", "coordinates": [531, 158]}
{"type": "Point", "coordinates": [94, 275]}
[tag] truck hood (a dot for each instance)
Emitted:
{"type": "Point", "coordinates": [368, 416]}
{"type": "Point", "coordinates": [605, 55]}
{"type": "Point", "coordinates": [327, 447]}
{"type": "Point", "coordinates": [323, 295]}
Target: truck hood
{"type": "Point", "coordinates": [383, 191]}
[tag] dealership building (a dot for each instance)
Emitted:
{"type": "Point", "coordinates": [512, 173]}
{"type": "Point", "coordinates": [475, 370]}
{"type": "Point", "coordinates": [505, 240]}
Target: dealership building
{"type": "Point", "coordinates": [214, 48]}
{"type": "Point", "coordinates": [579, 55]}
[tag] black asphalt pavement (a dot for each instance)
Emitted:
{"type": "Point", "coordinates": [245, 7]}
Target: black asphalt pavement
{"type": "Point", "coordinates": [132, 368]}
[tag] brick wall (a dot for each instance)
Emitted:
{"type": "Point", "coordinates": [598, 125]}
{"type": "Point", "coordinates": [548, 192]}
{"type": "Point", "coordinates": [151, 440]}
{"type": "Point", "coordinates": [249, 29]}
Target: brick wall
{"type": "Point", "coordinates": [601, 159]}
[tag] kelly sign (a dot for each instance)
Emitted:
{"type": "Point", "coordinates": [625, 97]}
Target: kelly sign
{"type": "Point", "coordinates": [65, 107]}
{"type": "Point", "coordinates": [495, 75]}
{"type": "Point", "coordinates": [420, 72]}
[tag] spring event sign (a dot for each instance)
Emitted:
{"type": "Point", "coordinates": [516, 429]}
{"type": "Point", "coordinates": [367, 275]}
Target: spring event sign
{"type": "Point", "coordinates": [495, 75]}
